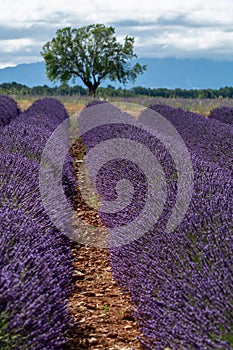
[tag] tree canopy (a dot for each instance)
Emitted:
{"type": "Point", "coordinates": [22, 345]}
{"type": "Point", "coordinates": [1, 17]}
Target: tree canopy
{"type": "Point", "coordinates": [91, 53]}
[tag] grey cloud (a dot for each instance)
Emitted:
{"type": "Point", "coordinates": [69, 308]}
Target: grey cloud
{"type": "Point", "coordinates": [131, 23]}
{"type": "Point", "coordinates": [158, 51]}
{"type": "Point", "coordinates": [174, 21]}
{"type": "Point", "coordinates": [21, 56]}
{"type": "Point", "coordinates": [35, 31]}
{"type": "Point", "coordinates": [146, 32]}
{"type": "Point", "coordinates": [179, 20]}
{"type": "Point", "coordinates": [186, 20]}
{"type": "Point", "coordinates": [39, 32]}
{"type": "Point", "coordinates": [42, 29]}
{"type": "Point", "coordinates": [228, 29]}
{"type": "Point", "coordinates": [222, 51]}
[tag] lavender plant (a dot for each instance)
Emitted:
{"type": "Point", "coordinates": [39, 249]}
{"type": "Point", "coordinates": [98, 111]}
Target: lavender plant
{"type": "Point", "coordinates": [34, 283]}
{"type": "Point", "coordinates": [208, 137]}
{"type": "Point", "coordinates": [35, 258]}
{"type": "Point", "coordinates": [8, 109]}
{"type": "Point", "coordinates": [24, 138]}
{"type": "Point", "coordinates": [94, 103]}
{"type": "Point", "coordinates": [223, 114]}
{"type": "Point", "coordinates": [28, 133]}
{"type": "Point", "coordinates": [181, 281]}
{"type": "Point", "coordinates": [47, 107]}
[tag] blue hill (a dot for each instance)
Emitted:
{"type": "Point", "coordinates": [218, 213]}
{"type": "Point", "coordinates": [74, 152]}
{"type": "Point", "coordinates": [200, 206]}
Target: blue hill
{"type": "Point", "coordinates": [30, 74]}
{"type": "Point", "coordinates": [167, 72]}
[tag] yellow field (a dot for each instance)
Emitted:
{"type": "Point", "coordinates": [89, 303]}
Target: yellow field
{"type": "Point", "coordinates": [133, 106]}
{"type": "Point", "coordinates": [71, 107]}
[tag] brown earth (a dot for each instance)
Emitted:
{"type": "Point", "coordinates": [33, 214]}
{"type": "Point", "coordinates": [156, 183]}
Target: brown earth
{"type": "Point", "coordinates": [102, 312]}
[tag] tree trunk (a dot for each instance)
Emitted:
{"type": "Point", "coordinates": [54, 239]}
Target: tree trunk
{"type": "Point", "coordinates": [92, 91]}
{"type": "Point", "coordinates": [92, 88]}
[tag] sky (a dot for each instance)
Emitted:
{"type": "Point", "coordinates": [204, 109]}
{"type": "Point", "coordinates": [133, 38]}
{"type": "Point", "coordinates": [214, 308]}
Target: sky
{"type": "Point", "coordinates": [161, 28]}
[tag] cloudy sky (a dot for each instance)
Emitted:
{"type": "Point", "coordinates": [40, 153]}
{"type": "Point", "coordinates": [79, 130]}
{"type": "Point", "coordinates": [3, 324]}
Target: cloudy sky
{"type": "Point", "coordinates": [162, 28]}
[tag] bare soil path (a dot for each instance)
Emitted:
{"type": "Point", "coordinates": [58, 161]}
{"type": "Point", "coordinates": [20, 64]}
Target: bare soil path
{"type": "Point", "coordinates": [102, 312]}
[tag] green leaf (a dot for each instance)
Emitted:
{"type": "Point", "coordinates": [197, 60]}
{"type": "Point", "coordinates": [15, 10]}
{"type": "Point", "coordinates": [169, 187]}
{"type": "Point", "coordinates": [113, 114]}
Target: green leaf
{"type": "Point", "coordinates": [92, 54]}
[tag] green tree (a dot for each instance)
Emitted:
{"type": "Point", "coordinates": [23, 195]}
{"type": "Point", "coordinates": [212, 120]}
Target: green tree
{"type": "Point", "coordinates": [91, 53]}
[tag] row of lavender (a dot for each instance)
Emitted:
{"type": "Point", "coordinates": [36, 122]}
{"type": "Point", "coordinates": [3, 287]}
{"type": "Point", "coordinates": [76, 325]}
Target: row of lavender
{"type": "Point", "coordinates": [223, 114]}
{"type": "Point", "coordinates": [35, 258]}
{"type": "Point", "coordinates": [181, 282]}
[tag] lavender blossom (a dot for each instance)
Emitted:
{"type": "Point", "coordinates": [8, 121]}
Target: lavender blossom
{"type": "Point", "coordinates": [182, 281]}
{"type": "Point", "coordinates": [8, 109]}
{"type": "Point", "coordinates": [222, 114]}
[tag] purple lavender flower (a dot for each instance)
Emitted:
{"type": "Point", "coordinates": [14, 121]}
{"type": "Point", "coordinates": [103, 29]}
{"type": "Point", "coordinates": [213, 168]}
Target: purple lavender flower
{"type": "Point", "coordinates": [222, 114]}
{"type": "Point", "coordinates": [35, 258]}
{"type": "Point", "coordinates": [8, 109]}
{"type": "Point", "coordinates": [182, 281]}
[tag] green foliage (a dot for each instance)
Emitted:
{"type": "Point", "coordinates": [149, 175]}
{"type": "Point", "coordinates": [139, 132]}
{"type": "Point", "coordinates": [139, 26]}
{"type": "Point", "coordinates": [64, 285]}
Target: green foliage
{"type": "Point", "coordinates": [8, 339]}
{"type": "Point", "coordinates": [91, 53]}
{"type": "Point", "coordinates": [105, 307]}
{"type": "Point", "coordinates": [67, 90]}
{"type": "Point", "coordinates": [23, 90]}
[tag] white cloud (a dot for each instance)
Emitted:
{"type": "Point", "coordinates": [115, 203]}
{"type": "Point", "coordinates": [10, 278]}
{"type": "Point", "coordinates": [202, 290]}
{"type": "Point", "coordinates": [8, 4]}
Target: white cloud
{"type": "Point", "coordinates": [9, 46]}
{"type": "Point", "coordinates": [196, 39]}
{"type": "Point", "coordinates": [178, 28]}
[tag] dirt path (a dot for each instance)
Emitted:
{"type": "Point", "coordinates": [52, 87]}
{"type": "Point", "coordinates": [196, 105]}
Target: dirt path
{"type": "Point", "coordinates": [101, 310]}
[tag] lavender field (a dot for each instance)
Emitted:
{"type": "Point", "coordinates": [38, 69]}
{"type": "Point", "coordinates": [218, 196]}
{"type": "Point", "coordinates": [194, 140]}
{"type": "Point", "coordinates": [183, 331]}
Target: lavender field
{"type": "Point", "coordinates": [181, 282]}
{"type": "Point", "coordinates": [35, 259]}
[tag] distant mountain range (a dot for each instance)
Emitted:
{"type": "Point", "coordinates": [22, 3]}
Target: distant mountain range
{"type": "Point", "coordinates": [168, 72]}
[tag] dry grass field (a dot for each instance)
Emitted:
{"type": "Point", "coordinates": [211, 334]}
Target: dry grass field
{"type": "Point", "coordinates": [134, 105]}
